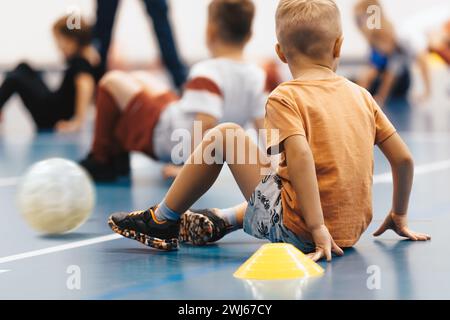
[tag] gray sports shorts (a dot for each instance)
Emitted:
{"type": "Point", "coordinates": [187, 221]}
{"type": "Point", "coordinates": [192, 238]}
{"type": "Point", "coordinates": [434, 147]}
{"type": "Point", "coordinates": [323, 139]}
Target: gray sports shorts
{"type": "Point", "coordinates": [264, 216]}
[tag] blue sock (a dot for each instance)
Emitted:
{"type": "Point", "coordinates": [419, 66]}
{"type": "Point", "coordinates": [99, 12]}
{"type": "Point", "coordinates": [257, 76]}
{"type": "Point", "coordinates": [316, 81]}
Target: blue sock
{"type": "Point", "coordinates": [164, 213]}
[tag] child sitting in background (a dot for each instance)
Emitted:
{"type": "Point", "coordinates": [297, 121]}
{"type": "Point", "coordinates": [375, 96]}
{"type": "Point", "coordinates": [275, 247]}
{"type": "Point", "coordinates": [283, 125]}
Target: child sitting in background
{"type": "Point", "coordinates": [320, 198]}
{"type": "Point", "coordinates": [389, 72]}
{"type": "Point", "coordinates": [134, 117]}
{"type": "Point", "coordinates": [63, 109]}
{"type": "Point", "coordinates": [439, 42]}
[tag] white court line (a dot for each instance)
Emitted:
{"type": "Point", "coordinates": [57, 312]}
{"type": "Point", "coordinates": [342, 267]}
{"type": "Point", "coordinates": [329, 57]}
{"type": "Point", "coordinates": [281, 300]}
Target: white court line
{"type": "Point", "coordinates": [9, 182]}
{"type": "Point", "coordinates": [4, 271]}
{"type": "Point", "coordinates": [419, 170]}
{"type": "Point", "coordinates": [64, 247]}
{"type": "Point", "coordinates": [378, 179]}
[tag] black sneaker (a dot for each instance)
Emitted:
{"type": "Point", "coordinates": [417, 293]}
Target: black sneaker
{"type": "Point", "coordinates": [122, 164]}
{"type": "Point", "coordinates": [100, 172]}
{"type": "Point", "coordinates": [142, 226]}
{"type": "Point", "coordinates": [201, 227]}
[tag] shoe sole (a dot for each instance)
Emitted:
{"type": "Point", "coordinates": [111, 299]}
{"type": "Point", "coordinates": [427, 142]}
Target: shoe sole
{"type": "Point", "coordinates": [160, 244]}
{"type": "Point", "coordinates": [196, 229]}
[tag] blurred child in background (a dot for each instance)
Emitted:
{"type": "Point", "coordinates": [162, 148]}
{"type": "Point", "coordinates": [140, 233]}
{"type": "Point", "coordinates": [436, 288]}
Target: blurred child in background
{"type": "Point", "coordinates": [65, 108]}
{"type": "Point", "coordinates": [390, 60]}
{"type": "Point", "coordinates": [440, 43]}
{"type": "Point", "coordinates": [136, 116]}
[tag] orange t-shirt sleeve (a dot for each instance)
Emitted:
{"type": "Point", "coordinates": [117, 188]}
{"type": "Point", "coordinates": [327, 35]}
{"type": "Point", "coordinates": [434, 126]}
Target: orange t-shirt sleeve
{"type": "Point", "coordinates": [384, 128]}
{"type": "Point", "coordinates": [283, 120]}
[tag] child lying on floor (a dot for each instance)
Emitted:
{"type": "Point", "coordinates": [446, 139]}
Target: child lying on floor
{"type": "Point", "coordinates": [134, 117]}
{"type": "Point", "coordinates": [388, 74]}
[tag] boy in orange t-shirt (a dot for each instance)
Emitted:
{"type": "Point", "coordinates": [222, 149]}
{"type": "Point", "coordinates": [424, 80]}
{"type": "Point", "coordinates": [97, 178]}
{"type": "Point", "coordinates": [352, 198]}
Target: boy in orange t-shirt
{"type": "Point", "coordinates": [324, 126]}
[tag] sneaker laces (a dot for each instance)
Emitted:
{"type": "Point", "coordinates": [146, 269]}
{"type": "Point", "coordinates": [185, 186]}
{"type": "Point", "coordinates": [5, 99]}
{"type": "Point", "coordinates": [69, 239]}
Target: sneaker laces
{"type": "Point", "coordinates": [144, 215]}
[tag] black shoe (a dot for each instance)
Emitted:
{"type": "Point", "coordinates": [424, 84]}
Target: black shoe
{"type": "Point", "coordinates": [201, 227]}
{"type": "Point", "coordinates": [122, 164]}
{"type": "Point", "coordinates": [100, 172]}
{"type": "Point", "coordinates": [142, 226]}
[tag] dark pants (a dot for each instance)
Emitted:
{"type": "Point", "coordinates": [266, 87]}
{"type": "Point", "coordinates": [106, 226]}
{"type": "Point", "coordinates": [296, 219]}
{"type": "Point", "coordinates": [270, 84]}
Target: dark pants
{"type": "Point", "coordinates": [158, 10]}
{"type": "Point", "coordinates": [35, 94]}
{"type": "Point", "coordinates": [400, 88]}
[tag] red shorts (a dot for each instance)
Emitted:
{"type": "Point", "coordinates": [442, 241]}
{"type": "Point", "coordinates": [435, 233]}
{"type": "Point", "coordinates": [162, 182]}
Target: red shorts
{"type": "Point", "coordinates": [135, 128]}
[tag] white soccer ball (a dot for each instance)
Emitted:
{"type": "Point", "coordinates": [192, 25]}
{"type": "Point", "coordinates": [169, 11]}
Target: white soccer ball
{"type": "Point", "coordinates": [56, 196]}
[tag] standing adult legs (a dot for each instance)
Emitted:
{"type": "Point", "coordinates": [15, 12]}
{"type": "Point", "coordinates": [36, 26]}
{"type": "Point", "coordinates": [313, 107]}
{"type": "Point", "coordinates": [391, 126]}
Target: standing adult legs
{"type": "Point", "coordinates": [106, 14]}
{"type": "Point", "coordinates": [159, 11]}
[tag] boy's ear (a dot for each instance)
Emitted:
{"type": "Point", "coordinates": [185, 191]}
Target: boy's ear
{"type": "Point", "coordinates": [338, 47]}
{"type": "Point", "coordinates": [210, 32]}
{"type": "Point", "coordinates": [280, 53]}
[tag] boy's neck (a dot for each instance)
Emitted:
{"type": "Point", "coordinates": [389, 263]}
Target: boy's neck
{"type": "Point", "coordinates": [228, 51]}
{"type": "Point", "coordinates": [304, 66]}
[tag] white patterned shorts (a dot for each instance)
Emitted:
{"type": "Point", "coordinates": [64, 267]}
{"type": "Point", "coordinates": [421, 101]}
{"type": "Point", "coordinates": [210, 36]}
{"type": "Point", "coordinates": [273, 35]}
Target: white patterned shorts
{"type": "Point", "coordinates": [264, 216]}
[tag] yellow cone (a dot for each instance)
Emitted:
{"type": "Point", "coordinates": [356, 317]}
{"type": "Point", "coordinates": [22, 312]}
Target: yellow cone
{"type": "Point", "coordinates": [278, 261]}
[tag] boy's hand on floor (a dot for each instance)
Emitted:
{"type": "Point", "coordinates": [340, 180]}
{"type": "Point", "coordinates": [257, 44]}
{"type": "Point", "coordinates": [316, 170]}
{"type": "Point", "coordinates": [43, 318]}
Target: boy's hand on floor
{"type": "Point", "coordinates": [70, 126]}
{"type": "Point", "coordinates": [325, 244]}
{"type": "Point", "coordinates": [399, 224]}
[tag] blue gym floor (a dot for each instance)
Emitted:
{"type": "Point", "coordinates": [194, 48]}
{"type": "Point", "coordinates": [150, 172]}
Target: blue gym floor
{"type": "Point", "coordinates": [36, 267]}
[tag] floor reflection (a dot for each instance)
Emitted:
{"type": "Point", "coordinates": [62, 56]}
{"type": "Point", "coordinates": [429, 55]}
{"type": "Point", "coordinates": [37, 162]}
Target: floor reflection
{"type": "Point", "coordinates": [277, 290]}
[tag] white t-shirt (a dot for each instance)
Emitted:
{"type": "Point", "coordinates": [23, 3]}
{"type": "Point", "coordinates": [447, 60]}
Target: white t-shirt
{"type": "Point", "coordinates": [228, 90]}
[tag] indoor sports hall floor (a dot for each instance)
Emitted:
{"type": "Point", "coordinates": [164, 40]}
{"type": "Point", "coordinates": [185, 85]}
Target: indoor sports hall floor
{"type": "Point", "coordinates": [39, 267]}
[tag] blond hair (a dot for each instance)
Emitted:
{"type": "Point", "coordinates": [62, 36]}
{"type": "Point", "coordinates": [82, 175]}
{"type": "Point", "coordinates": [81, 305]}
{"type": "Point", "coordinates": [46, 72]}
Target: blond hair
{"type": "Point", "coordinates": [310, 27]}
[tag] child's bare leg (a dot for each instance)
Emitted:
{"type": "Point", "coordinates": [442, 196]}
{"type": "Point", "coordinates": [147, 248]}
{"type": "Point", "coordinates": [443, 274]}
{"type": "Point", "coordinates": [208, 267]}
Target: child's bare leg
{"type": "Point", "coordinates": [234, 216]}
{"type": "Point", "coordinates": [122, 86]}
{"type": "Point", "coordinates": [159, 227]}
{"type": "Point", "coordinates": [240, 213]}
{"type": "Point", "coordinates": [115, 92]}
{"type": "Point", "coordinates": [196, 179]}
{"type": "Point", "coordinates": [151, 82]}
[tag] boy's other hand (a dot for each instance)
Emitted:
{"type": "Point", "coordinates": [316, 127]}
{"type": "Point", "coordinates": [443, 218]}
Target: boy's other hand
{"type": "Point", "coordinates": [325, 244]}
{"type": "Point", "coordinates": [399, 224]}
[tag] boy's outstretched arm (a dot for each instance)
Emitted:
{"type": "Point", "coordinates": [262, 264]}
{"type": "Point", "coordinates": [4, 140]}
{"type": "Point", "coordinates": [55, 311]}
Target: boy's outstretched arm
{"type": "Point", "coordinates": [85, 87]}
{"type": "Point", "coordinates": [368, 77]}
{"type": "Point", "coordinates": [302, 172]}
{"type": "Point", "coordinates": [388, 80]}
{"type": "Point", "coordinates": [402, 165]}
